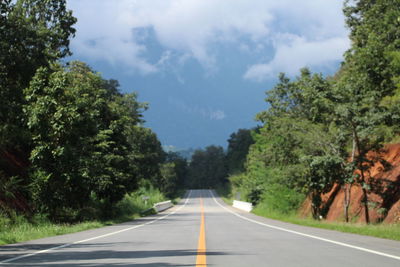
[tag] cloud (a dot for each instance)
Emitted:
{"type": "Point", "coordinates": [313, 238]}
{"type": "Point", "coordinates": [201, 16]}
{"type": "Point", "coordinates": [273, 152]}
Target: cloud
{"type": "Point", "coordinates": [296, 52]}
{"type": "Point", "coordinates": [205, 112]}
{"type": "Point", "coordinates": [120, 31]}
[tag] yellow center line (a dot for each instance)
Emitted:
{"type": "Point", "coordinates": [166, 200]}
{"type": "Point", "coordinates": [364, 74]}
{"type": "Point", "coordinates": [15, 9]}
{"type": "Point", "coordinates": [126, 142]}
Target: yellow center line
{"type": "Point", "coordinates": [201, 247]}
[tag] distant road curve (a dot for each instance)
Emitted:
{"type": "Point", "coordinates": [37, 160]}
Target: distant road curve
{"type": "Point", "coordinates": [201, 231]}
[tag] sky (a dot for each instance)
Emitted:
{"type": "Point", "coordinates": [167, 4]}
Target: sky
{"type": "Point", "coordinates": [204, 65]}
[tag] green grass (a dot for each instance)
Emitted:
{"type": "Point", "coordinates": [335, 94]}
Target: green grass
{"type": "Point", "coordinates": [13, 232]}
{"type": "Point", "coordinates": [388, 231]}
{"type": "Point", "coordinates": [131, 207]}
{"type": "Point", "coordinates": [224, 191]}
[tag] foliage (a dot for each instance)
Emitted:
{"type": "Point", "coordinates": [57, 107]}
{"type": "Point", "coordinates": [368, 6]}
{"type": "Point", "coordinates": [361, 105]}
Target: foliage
{"type": "Point", "coordinates": [280, 198]}
{"type": "Point", "coordinates": [238, 148]}
{"type": "Point", "coordinates": [147, 154]}
{"type": "Point", "coordinates": [298, 146]}
{"type": "Point", "coordinates": [132, 206]}
{"type": "Point", "coordinates": [70, 143]}
{"type": "Point", "coordinates": [173, 174]}
{"type": "Point", "coordinates": [137, 202]}
{"type": "Point", "coordinates": [367, 79]}
{"type": "Point", "coordinates": [33, 34]}
{"type": "Point", "coordinates": [169, 179]}
{"type": "Point", "coordinates": [318, 131]}
{"type": "Point", "coordinates": [207, 168]}
{"type": "Point", "coordinates": [87, 143]}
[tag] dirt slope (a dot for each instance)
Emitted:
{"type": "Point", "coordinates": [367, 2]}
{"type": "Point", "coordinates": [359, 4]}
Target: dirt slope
{"type": "Point", "coordinates": [384, 194]}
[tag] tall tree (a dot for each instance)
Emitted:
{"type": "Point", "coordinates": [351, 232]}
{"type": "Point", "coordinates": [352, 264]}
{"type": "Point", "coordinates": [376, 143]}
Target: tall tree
{"type": "Point", "coordinates": [83, 140]}
{"type": "Point", "coordinates": [298, 146]}
{"type": "Point", "coordinates": [180, 166]}
{"type": "Point", "coordinates": [33, 34]}
{"type": "Point", "coordinates": [207, 168]}
{"type": "Point", "coordinates": [366, 79]}
{"type": "Point", "coordinates": [238, 148]}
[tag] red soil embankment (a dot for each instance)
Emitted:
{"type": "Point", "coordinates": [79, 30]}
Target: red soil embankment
{"type": "Point", "coordinates": [383, 195]}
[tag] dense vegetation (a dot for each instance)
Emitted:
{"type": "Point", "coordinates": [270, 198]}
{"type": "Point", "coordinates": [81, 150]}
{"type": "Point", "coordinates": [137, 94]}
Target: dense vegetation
{"type": "Point", "coordinates": [210, 167]}
{"type": "Point", "coordinates": [318, 130]}
{"type": "Point", "coordinates": [72, 146]}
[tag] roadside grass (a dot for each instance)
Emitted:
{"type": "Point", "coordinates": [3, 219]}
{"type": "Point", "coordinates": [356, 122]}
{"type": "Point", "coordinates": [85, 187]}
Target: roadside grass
{"type": "Point", "coordinates": [383, 230]}
{"type": "Point", "coordinates": [131, 207]}
{"type": "Point", "coordinates": [23, 230]}
{"type": "Point", "coordinates": [225, 192]}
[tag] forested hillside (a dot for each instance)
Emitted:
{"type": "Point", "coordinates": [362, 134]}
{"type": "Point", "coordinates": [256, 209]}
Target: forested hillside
{"type": "Point", "coordinates": [319, 132]}
{"type": "Point", "coordinates": [72, 146]}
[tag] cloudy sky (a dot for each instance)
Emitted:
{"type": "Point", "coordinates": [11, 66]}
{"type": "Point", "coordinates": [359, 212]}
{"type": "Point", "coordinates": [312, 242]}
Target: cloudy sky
{"type": "Point", "coordinates": [204, 65]}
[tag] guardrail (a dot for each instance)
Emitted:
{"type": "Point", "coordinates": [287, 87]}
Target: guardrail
{"type": "Point", "coordinates": [246, 206]}
{"type": "Point", "coordinates": [160, 206]}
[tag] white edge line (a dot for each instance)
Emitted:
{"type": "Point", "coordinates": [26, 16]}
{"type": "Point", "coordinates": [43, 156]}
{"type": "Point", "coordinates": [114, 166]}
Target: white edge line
{"type": "Point", "coordinates": [96, 237]}
{"type": "Point", "coordinates": [307, 235]}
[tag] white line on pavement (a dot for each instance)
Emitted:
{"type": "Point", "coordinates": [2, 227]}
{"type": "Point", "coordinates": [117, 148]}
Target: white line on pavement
{"type": "Point", "coordinates": [96, 237]}
{"type": "Point", "coordinates": [306, 235]}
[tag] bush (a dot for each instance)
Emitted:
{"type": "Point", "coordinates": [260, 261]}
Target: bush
{"type": "Point", "coordinates": [279, 198]}
{"type": "Point", "coordinates": [134, 203]}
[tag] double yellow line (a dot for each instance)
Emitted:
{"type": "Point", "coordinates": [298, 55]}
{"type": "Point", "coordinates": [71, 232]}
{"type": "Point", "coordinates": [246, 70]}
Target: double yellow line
{"type": "Point", "coordinates": [201, 247]}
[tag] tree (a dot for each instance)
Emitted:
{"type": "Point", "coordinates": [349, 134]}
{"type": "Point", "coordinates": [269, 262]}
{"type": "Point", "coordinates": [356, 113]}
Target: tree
{"type": "Point", "coordinates": [238, 148]}
{"type": "Point", "coordinates": [366, 79]}
{"type": "Point", "coordinates": [207, 168]}
{"type": "Point", "coordinates": [169, 179]}
{"type": "Point", "coordinates": [180, 168]}
{"type": "Point", "coordinates": [83, 140]}
{"type": "Point", "coordinates": [147, 154]}
{"type": "Point", "coordinates": [298, 146]}
{"type": "Point", "coordinates": [33, 34]}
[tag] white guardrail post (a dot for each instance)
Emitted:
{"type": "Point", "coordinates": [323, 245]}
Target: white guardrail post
{"type": "Point", "coordinates": [160, 206]}
{"type": "Point", "coordinates": [246, 206]}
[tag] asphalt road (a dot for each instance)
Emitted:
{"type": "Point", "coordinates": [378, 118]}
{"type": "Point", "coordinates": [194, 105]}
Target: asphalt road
{"type": "Point", "coordinates": [202, 231]}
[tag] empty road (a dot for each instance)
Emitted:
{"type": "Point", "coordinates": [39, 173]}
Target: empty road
{"type": "Point", "coordinates": [203, 231]}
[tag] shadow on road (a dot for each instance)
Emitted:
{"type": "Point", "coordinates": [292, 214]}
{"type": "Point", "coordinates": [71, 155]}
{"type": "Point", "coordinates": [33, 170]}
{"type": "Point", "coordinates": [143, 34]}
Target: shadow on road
{"type": "Point", "coordinates": [98, 257]}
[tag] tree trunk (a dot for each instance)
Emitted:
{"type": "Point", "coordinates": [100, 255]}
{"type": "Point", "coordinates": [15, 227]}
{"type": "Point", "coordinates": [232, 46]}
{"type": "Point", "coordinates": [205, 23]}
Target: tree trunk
{"type": "Point", "coordinates": [347, 186]}
{"type": "Point", "coordinates": [347, 191]}
{"type": "Point", "coordinates": [316, 204]}
{"type": "Point", "coordinates": [365, 196]}
{"type": "Point", "coordinates": [363, 183]}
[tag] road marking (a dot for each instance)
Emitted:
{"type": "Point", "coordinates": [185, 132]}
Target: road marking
{"type": "Point", "coordinates": [201, 247]}
{"type": "Point", "coordinates": [307, 235]}
{"type": "Point", "coordinates": [96, 237]}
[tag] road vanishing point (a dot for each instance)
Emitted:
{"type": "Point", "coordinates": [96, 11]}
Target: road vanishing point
{"type": "Point", "coordinates": [203, 231]}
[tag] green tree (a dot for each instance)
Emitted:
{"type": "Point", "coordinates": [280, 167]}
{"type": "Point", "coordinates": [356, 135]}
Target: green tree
{"type": "Point", "coordinates": [207, 168]}
{"type": "Point", "coordinates": [297, 139]}
{"type": "Point", "coordinates": [33, 34]}
{"type": "Point", "coordinates": [366, 79]}
{"type": "Point", "coordinates": [180, 167]}
{"type": "Point", "coordinates": [238, 148]}
{"type": "Point", "coordinates": [169, 179]}
{"type": "Point", "coordinates": [392, 101]}
{"type": "Point", "coordinates": [148, 155]}
{"type": "Point", "coordinates": [83, 140]}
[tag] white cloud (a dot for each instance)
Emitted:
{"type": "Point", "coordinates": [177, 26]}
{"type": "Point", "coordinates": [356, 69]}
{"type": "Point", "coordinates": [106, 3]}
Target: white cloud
{"type": "Point", "coordinates": [205, 112]}
{"type": "Point", "coordinates": [217, 115]}
{"type": "Point", "coordinates": [297, 52]}
{"type": "Point", "coordinates": [190, 28]}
